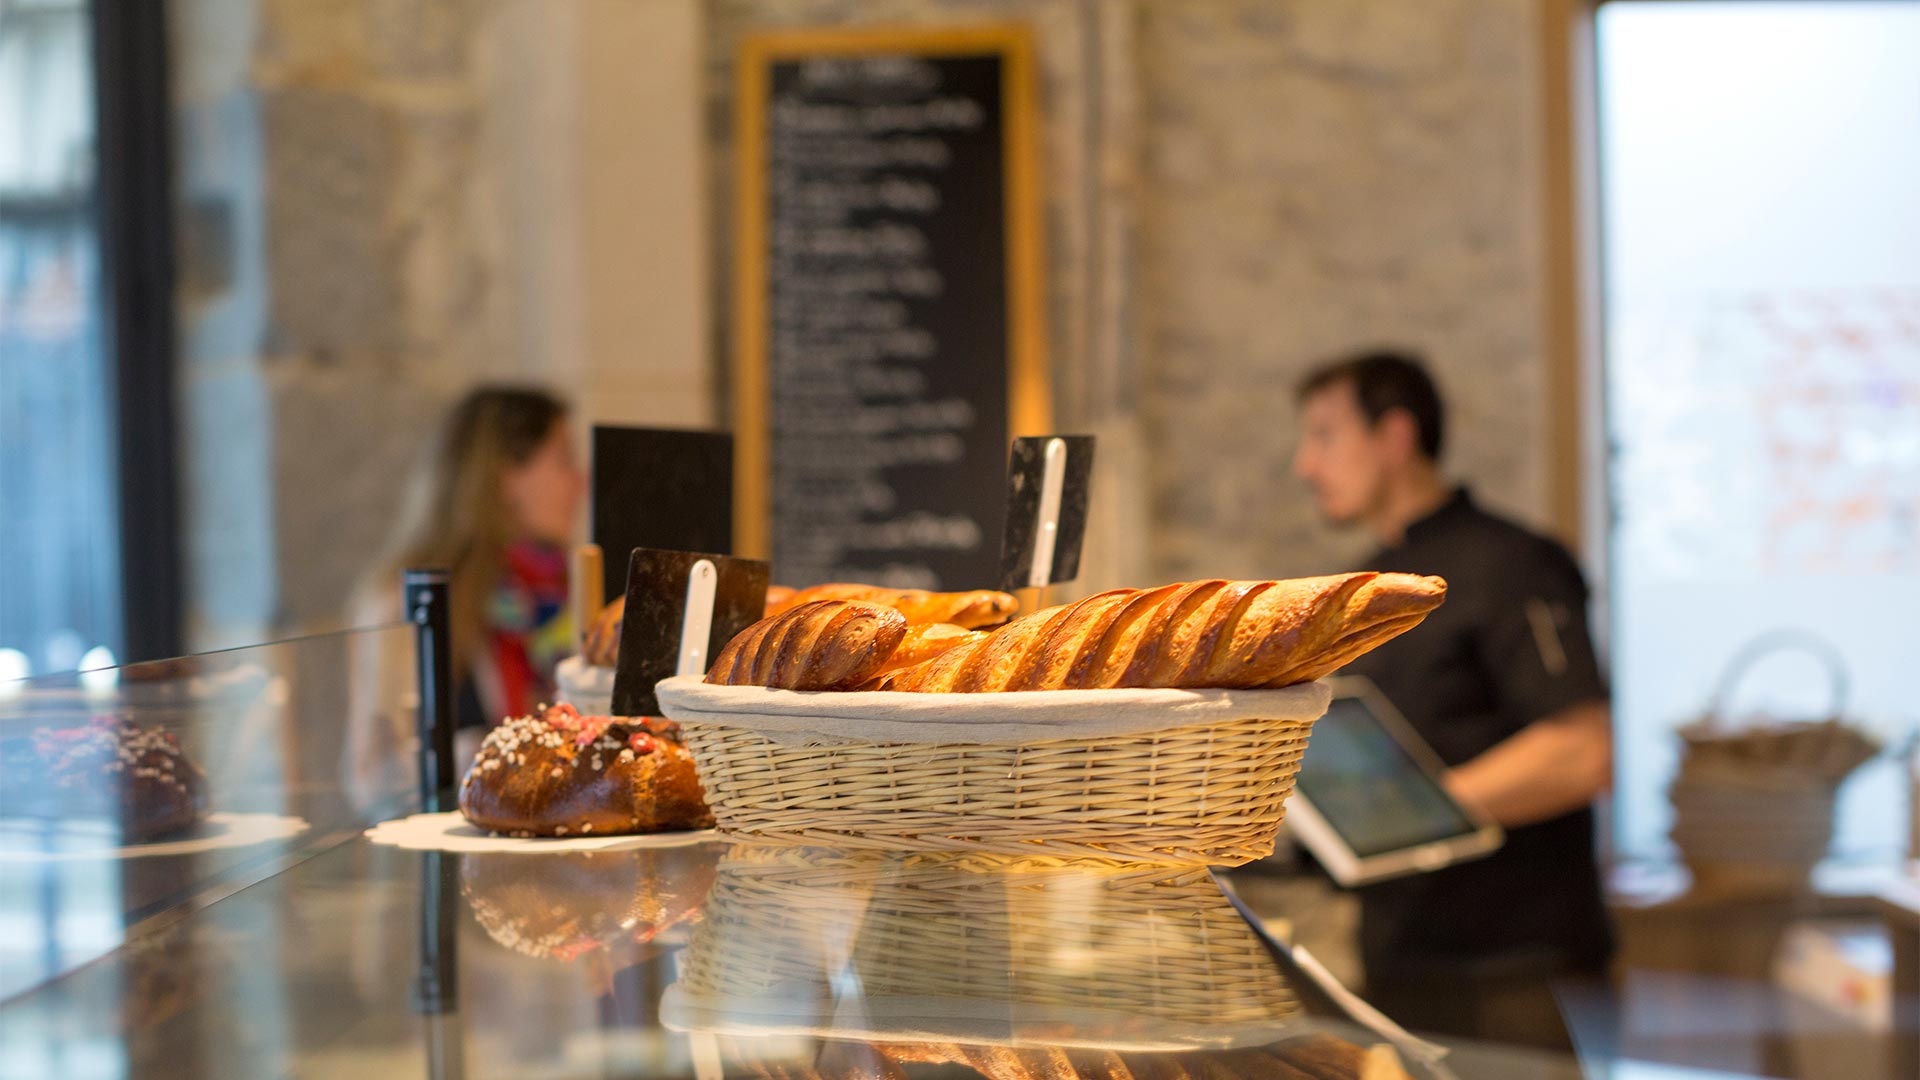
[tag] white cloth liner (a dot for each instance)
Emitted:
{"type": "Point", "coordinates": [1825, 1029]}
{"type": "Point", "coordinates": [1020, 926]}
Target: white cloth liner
{"type": "Point", "coordinates": [1005, 719]}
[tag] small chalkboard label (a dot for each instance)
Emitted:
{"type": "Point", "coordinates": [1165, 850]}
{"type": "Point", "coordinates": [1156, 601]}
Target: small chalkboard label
{"type": "Point", "coordinates": [660, 488]}
{"type": "Point", "coordinates": [727, 595]}
{"type": "Point", "coordinates": [1048, 481]}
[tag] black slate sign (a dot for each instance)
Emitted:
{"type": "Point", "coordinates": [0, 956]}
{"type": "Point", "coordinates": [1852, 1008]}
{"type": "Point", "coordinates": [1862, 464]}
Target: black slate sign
{"type": "Point", "coordinates": [656, 607]}
{"type": "Point", "coordinates": [660, 488]}
{"type": "Point", "coordinates": [1026, 473]}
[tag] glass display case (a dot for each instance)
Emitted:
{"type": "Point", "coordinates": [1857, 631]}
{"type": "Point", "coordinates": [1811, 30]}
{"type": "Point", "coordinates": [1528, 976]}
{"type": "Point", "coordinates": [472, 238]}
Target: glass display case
{"type": "Point", "coordinates": [251, 923]}
{"type": "Point", "coordinates": [129, 796]}
{"type": "Point", "coordinates": [190, 890]}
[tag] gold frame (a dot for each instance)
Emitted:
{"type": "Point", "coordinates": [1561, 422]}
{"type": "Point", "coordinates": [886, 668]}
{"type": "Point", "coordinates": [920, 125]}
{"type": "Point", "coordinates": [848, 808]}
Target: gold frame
{"type": "Point", "coordinates": [1029, 387]}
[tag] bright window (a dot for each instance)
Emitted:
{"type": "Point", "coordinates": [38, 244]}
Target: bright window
{"type": "Point", "coordinates": [1760, 189]}
{"type": "Point", "coordinates": [59, 520]}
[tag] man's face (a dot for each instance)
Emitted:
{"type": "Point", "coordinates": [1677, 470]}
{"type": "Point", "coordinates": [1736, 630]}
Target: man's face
{"type": "Point", "coordinates": [1341, 456]}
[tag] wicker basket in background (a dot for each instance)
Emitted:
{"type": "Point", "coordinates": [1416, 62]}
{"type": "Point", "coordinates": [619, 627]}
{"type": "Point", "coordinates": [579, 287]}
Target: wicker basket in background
{"type": "Point", "coordinates": [1753, 801]}
{"type": "Point", "coordinates": [1190, 794]}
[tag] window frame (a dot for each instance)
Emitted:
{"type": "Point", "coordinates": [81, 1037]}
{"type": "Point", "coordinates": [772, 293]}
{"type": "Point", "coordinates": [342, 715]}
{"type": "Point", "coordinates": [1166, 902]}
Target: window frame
{"type": "Point", "coordinates": [134, 193]}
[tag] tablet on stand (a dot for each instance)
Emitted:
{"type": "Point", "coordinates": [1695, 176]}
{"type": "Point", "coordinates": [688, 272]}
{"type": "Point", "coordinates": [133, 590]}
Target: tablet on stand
{"type": "Point", "coordinates": [1369, 802]}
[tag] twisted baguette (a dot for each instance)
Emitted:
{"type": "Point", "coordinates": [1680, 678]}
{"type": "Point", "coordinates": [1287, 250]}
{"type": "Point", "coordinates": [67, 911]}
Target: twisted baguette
{"type": "Point", "coordinates": [826, 645]}
{"type": "Point", "coordinates": [1228, 634]}
{"type": "Point", "coordinates": [968, 610]}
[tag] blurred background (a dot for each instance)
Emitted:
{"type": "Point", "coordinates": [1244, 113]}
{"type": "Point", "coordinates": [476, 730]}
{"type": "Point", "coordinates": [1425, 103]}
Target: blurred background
{"type": "Point", "coordinates": [1661, 255]}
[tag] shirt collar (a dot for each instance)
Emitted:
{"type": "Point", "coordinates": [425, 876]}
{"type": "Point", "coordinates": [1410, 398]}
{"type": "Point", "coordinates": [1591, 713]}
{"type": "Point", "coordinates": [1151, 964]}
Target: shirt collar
{"type": "Point", "coordinates": [1458, 505]}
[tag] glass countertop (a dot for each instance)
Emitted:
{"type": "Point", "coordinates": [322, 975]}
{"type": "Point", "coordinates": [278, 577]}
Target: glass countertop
{"type": "Point", "coordinates": [701, 960]}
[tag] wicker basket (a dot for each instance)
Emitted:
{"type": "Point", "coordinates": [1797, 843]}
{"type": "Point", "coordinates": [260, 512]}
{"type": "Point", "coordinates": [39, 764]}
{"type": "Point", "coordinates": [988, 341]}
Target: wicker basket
{"type": "Point", "coordinates": [979, 948]}
{"type": "Point", "coordinates": [1753, 799]}
{"type": "Point", "coordinates": [1178, 777]}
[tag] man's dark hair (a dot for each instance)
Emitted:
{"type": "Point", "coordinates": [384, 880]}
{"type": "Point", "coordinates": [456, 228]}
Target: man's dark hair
{"type": "Point", "coordinates": [1384, 380]}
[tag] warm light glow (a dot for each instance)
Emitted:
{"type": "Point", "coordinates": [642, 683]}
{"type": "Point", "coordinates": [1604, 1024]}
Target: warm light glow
{"type": "Point", "coordinates": [14, 667]}
{"type": "Point", "coordinates": [99, 671]}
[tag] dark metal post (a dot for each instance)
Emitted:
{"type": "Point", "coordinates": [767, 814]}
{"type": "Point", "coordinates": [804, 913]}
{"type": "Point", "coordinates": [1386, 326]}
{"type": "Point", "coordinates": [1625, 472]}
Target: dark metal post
{"type": "Point", "coordinates": [436, 988]}
{"type": "Point", "coordinates": [427, 601]}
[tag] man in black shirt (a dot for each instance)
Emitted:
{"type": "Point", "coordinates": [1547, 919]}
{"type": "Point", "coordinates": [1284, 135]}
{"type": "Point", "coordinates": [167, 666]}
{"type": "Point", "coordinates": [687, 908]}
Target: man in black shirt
{"type": "Point", "coordinates": [1503, 682]}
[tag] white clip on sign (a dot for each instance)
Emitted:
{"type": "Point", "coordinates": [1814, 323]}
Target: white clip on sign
{"type": "Point", "coordinates": [696, 625]}
{"type": "Point", "coordinates": [1053, 482]}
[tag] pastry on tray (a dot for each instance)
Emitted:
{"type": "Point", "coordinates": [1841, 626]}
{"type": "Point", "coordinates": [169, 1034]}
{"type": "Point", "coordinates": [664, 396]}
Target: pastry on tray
{"type": "Point", "coordinates": [118, 769]}
{"type": "Point", "coordinates": [563, 774]}
{"type": "Point", "coordinates": [1194, 635]}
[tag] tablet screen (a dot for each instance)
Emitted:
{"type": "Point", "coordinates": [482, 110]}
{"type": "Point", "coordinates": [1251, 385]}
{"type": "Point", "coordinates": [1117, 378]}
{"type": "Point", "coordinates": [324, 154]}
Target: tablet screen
{"type": "Point", "coordinates": [1370, 789]}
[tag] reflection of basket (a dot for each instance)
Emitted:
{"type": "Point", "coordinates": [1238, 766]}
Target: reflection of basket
{"type": "Point", "coordinates": [977, 948]}
{"type": "Point", "coordinates": [1212, 791]}
{"type": "Point", "coordinates": [1753, 805]}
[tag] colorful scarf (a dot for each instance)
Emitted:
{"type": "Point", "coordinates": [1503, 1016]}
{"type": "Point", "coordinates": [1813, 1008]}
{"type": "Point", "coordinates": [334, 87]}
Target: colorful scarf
{"type": "Point", "coordinates": [530, 626]}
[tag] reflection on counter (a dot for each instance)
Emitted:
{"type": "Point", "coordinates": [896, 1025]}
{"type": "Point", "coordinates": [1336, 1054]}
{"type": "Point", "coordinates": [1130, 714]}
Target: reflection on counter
{"type": "Point", "coordinates": [813, 962]}
{"type": "Point", "coordinates": [609, 909]}
{"type": "Point", "coordinates": [127, 792]}
{"type": "Point", "coordinates": [770, 961]}
{"type": "Point", "coordinates": [1156, 953]}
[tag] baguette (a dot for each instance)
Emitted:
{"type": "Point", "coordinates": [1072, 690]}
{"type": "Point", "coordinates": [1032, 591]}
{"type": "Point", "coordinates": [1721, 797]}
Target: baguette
{"type": "Point", "coordinates": [824, 645]}
{"type": "Point", "coordinates": [967, 610]}
{"type": "Point", "coordinates": [1224, 634]}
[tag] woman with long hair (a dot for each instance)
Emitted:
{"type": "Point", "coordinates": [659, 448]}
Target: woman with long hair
{"type": "Point", "coordinates": [494, 503]}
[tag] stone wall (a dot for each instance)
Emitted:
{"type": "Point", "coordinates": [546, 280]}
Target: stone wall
{"type": "Point", "coordinates": [341, 284]}
{"type": "Point", "coordinates": [1236, 190]}
{"type": "Point", "coordinates": [387, 200]}
{"type": "Point", "coordinates": [1318, 177]}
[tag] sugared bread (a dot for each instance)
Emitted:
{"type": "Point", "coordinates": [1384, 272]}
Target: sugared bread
{"type": "Point", "coordinates": [563, 774]}
{"type": "Point", "coordinates": [120, 769]}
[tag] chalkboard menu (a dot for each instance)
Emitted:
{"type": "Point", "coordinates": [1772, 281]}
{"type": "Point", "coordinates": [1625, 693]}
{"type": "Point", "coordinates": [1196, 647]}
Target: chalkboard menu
{"type": "Point", "coordinates": [888, 327]}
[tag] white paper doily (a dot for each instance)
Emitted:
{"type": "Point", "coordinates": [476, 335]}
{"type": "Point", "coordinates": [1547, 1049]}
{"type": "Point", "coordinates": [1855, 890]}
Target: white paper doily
{"type": "Point", "coordinates": [452, 832]}
{"type": "Point", "coordinates": [98, 840]}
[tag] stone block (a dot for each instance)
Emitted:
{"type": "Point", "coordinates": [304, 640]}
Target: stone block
{"type": "Point", "coordinates": [422, 39]}
{"type": "Point", "coordinates": [311, 42]}
{"type": "Point", "coordinates": [331, 165]}
{"type": "Point", "coordinates": [339, 498]}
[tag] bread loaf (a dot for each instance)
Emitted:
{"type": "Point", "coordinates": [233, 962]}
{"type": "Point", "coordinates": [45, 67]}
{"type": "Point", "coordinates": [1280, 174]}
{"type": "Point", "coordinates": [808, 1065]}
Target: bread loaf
{"type": "Point", "coordinates": [600, 645]}
{"type": "Point", "coordinates": [108, 767]}
{"type": "Point", "coordinates": [824, 645]}
{"type": "Point", "coordinates": [560, 773]}
{"type": "Point", "coordinates": [968, 610]}
{"type": "Point", "coordinates": [1226, 634]}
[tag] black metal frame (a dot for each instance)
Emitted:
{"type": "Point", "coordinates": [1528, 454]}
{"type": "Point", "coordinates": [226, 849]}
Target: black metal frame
{"type": "Point", "coordinates": [428, 603]}
{"type": "Point", "coordinates": [134, 185]}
